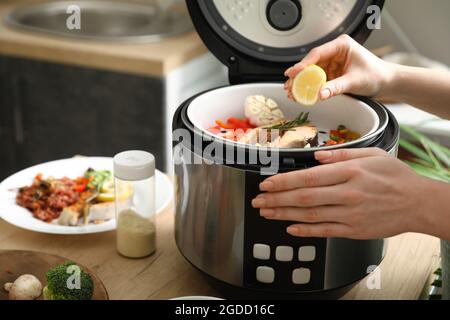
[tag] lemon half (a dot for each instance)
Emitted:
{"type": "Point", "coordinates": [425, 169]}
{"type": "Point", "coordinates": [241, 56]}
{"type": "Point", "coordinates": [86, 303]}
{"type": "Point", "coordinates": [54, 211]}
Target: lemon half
{"type": "Point", "coordinates": [306, 85]}
{"type": "Point", "coordinates": [108, 195]}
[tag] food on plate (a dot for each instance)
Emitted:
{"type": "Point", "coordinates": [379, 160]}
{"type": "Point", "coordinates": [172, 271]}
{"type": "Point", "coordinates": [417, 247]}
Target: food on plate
{"type": "Point", "coordinates": [105, 208]}
{"type": "Point", "coordinates": [262, 111]}
{"type": "Point", "coordinates": [96, 178]}
{"type": "Point", "coordinates": [342, 135]}
{"type": "Point", "coordinates": [46, 198]}
{"type": "Point", "coordinates": [72, 202]}
{"type": "Point", "coordinates": [307, 84]}
{"type": "Point", "coordinates": [70, 215]}
{"type": "Point", "coordinates": [107, 191]}
{"type": "Point", "coordinates": [62, 283]}
{"type": "Point", "coordinates": [25, 287]}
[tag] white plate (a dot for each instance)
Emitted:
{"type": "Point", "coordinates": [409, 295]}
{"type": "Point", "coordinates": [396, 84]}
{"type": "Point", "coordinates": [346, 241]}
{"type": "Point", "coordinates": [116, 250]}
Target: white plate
{"type": "Point", "coordinates": [72, 168]}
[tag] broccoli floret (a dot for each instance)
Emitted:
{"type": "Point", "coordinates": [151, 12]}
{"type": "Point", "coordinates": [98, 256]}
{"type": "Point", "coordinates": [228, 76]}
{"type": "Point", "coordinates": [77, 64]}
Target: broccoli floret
{"type": "Point", "coordinates": [59, 288]}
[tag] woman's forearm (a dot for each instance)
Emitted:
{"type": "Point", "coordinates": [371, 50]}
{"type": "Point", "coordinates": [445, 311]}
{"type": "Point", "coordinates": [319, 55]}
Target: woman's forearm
{"type": "Point", "coordinates": [426, 89]}
{"type": "Point", "coordinates": [433, 217]}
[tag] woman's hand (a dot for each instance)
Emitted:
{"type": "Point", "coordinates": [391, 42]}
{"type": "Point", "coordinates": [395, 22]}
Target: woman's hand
{"type": "Point", "coordinates": [357, 194]}
{"type": "Point", "coordinates": [349, 66]}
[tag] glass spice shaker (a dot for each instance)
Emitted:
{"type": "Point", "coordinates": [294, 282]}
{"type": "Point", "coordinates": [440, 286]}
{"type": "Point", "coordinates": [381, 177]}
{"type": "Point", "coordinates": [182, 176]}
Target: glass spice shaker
{"type": "Point", "coordinates": [134, 180]}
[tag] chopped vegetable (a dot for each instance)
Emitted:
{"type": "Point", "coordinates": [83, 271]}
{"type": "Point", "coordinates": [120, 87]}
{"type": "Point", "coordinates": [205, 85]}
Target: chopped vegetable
{"type": "Point", "coordinates": [233, 129]}
{"type": "Point", "coordinates": [81, 184]}
{"type": "Point", "coordinates": [342, 135]}
{"type": "Point", "coordinates": [96, 178]}
{"type": "Point", "coordinates": [234, 124]}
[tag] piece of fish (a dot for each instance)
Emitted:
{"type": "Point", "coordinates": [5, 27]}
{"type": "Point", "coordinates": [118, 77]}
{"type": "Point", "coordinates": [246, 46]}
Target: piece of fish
{"type": "Point", "coordinates": [299, 137]}
{"type": "Point", "coordinates": [260, 136]}
{"type": "Point", "coordinates": [102, 211]}
{"type": "Point", "coordinates": [70, 216]}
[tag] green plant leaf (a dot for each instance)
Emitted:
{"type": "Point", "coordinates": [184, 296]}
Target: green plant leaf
{"type": "Point", "coordinates": [440, 153]}
{"type": "Point", "coordinates": [435, 161]}
{"type": "Point", "coordinates": [429, 172]}
{"type": "Point", "coordinates": [415, 151]}
{"type": "Point", "coordinates": [413, 133]}
{"type": "Point", "coordinates": [422, 162]}
{"type": "Point", "coordinates": [418, 136]}
{"type": "Point", "coordinates": [432, 160]}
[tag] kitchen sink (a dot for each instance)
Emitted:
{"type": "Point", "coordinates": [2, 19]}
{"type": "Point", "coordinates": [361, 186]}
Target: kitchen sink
{"type": "Point", "coordinates": [103, 20]}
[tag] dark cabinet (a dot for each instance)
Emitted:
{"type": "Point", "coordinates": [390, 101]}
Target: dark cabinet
{"type": "Point", "coordinates": [51, 111]}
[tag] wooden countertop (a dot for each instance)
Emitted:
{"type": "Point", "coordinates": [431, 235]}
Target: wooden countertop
{"type": "Point", "coordinates": [149, 59]}
{"type": "Point", "coordinates": [404, 272]}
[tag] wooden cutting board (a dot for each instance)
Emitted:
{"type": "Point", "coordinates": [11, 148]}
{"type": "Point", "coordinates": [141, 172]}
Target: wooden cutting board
{"type": "Point", "coordinates": [14, 263]}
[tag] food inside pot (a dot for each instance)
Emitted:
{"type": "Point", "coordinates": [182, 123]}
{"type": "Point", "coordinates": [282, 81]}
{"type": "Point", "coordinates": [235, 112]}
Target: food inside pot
{"type": "Point", "coordinates": [342, 135]}
{"type": "Point", "coordinates": [265, 125]}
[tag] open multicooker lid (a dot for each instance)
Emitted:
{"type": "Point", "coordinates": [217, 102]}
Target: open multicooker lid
{"type": "Point", "coordinates": [258, 39]}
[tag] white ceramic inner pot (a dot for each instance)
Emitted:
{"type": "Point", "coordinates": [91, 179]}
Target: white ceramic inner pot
{"type": "Point", "coordinates": [226, 102]}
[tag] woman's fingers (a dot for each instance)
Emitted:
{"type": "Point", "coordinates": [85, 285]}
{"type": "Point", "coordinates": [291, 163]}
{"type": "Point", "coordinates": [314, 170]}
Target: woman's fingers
{"type": "Point", "coordinates": [302, 198]}
{"type": "Point", "coordinates": [322, 54]}
{"type": "Point", "coordinates": [336, 87]}
{"type": "Point", "coordinates": [309, 215]}
{"type": "Point", "coordinates": [342, 155]}
{"type": "Point", "coordinates": [325, 175]}
{"type": "Point", "coordinates": [320, 230]}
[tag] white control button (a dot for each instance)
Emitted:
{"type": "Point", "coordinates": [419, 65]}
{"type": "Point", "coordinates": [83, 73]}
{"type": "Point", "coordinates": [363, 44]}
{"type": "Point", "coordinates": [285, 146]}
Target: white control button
{"type": "Point", "coordinates": [265, 274]}
{"type": "Point", "coordinates": [283, 253]}
{"type": "Point", "coordinates": [307, 253]}
{"type": "Point", "coordinates": [261, 251]}
{"type": "Point", "coordinates": [301, 276]}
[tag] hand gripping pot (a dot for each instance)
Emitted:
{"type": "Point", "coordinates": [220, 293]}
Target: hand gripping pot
{"type": "Point", "coordinates": [216, 228]}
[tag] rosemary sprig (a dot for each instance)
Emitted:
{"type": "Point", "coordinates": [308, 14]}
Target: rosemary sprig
{"type": "Point", "coordinates": [284, 126]}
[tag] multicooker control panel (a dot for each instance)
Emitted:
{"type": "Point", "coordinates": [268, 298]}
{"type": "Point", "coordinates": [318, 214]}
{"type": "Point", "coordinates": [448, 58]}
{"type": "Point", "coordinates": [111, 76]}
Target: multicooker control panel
{"type": "Point", "coordinates": [274, 259]}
